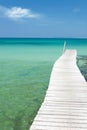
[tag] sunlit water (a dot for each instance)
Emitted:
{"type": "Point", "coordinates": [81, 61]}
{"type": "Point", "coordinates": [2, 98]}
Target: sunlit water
{"type": "Point", "coordinates": [25, 67]}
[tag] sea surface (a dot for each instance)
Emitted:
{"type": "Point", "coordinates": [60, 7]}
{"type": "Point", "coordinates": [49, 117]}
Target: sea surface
{"type": "Point", "coordinates": [25, 67]}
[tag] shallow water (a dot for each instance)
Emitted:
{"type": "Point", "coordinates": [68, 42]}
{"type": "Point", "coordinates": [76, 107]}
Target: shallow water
{"type": "Point", "coordinates": [25, 67]}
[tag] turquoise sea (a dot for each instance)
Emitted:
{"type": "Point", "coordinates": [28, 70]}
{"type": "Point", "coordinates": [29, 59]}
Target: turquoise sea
{"type": "Point", "coordinates": [25, 67]}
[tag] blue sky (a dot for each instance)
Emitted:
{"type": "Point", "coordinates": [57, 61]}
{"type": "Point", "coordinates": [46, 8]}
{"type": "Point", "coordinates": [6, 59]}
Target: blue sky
{"type": "Point", "coordinates": [43, 18]}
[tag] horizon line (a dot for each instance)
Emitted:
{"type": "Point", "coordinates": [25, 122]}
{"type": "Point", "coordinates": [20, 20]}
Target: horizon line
{"type": "Point", "coordinates": [46, 37]}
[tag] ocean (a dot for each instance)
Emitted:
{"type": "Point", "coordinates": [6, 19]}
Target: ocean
{"type": "Point", "coordinates": [25, 67]}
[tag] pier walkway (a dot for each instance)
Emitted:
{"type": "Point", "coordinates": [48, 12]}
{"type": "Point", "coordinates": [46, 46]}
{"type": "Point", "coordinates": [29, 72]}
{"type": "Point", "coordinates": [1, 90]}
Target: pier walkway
{"type": "Point", "coordinates": [65, 103]}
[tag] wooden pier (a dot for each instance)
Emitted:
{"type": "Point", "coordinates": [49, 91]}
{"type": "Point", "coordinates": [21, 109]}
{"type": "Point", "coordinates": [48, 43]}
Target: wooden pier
{"type": "Point", "coordinates": [65, 103]}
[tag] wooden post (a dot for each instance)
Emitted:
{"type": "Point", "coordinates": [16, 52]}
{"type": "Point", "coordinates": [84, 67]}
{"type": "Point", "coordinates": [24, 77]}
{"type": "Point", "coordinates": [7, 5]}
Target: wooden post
{"type": "Point", "coordinates": [64, 47]}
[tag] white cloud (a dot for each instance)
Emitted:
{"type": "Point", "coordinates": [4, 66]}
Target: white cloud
{"type": "Point", "coordinates": [76, 10]}
{"type": "Point", "coordinates": [16, 13]}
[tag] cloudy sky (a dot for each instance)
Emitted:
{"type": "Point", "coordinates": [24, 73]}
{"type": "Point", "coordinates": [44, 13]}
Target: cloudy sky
{"type": "Point", "coordinates": [43, 18]}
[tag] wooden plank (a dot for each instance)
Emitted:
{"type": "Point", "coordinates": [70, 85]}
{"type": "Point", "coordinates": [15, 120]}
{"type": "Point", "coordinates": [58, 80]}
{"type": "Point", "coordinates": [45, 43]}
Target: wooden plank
{"type": "Point", "coordinates": [65, 103]}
